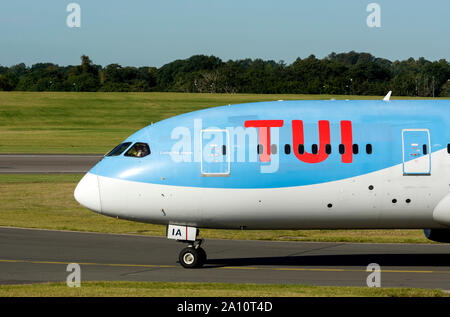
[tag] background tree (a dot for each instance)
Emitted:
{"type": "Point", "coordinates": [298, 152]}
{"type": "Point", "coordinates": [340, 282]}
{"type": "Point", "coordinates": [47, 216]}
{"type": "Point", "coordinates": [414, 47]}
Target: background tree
{"type": "Point", "coordinates": [337, 73]}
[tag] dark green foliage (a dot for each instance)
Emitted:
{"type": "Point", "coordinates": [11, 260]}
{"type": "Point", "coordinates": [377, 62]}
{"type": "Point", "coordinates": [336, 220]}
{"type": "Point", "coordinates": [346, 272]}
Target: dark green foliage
{"type": "Point", "coordinates": [181, 75]}
{"type": "Point", "coordinates": [117, 78]}
{"type": "Point", "coordinates": [8, 82]}
{"type": "Point", "coordinates": [345, 73]}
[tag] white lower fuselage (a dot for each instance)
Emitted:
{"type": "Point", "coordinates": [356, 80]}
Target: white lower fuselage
{"type": "Point", "coordinates": [382, 199]}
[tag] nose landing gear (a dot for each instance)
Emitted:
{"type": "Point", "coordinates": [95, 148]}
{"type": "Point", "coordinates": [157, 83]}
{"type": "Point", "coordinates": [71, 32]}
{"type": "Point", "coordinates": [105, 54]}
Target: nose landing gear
{"type": "Point", "coordinates": [193, 256]}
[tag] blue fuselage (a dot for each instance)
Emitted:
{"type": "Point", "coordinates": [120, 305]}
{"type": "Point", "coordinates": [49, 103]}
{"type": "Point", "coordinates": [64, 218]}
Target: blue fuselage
{"type": "Point", "coordinates": [377, 124]}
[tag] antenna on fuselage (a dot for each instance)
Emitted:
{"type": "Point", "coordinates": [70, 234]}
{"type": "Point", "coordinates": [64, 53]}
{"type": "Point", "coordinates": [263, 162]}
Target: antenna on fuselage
{"type": "Point", "coordinates": [388, 96]}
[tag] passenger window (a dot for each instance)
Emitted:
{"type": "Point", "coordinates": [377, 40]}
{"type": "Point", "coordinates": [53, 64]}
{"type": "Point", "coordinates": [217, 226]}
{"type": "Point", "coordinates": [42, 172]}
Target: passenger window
{"type": "Point", "coordinates": [355, 149]}
{"type": "Point", "coordinates": [287, 149]}
{"type": "Point", "coordinates": [224, 150]}
{"type": "Point", "coordinates": [138, 150]}
{"type": "Point", "coordinates": [341, 149]}
{"type": "Point", "coordinates": [119, 149]}
{"type": "Point", "coordinates": [425, 149]}
{"type": "Point", "coordinates": [260, 149]}
{"type": "Point", "coordinates": [301, 149]}
{"type": "Point", "coordinates": [314, 149]}
{"type": "Point", "coordinates": [328, 148]}
{"type": "Point", "coordinates": [369, 148]}
{"type": "Point", "coordinates": [274, 149]}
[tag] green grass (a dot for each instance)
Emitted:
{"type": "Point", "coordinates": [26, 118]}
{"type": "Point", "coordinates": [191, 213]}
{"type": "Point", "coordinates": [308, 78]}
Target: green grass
{"type": "Point", "coordinates": [161, 289]}
{"type": "Point", "coordinates": [46, 202]}
{"type": "Point", "coordinates": [58, 122]}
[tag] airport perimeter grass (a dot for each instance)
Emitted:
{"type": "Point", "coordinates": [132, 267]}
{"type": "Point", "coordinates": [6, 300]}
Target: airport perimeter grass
{"type": "Point", "coordinates": [162, 289]}
{"type": "Point", "coordinates": [46, 202]}
{"type": "Point", "coordinates": [74, 123]}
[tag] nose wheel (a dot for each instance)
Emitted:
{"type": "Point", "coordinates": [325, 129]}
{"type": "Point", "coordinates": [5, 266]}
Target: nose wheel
{"type": "Point", "coordinates": [192, 257]}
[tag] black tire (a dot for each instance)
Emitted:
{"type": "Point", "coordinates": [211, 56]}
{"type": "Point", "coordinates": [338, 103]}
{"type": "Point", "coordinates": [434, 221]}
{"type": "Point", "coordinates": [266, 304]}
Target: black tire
{"type": "Point", "coordinates": [191, 258]}
{"type": "Point", "coordinates": [202, 254]}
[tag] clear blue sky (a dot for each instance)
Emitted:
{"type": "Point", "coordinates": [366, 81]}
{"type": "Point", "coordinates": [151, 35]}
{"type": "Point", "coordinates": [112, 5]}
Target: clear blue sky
{"type": "Point", "coordinates": [155, 32]}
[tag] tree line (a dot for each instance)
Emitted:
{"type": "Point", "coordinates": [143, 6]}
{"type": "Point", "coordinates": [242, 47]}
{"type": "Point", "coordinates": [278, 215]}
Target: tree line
{"type": "Point", "coordinates": [349, 73]}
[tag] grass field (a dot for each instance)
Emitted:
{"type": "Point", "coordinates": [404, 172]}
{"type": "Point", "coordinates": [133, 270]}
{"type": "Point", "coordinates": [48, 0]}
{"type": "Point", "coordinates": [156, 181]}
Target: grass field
{"type": "Point", "coordinates": [136, 289]}
{"type": "Point", "coordinates": [57, 122]}
{"type": "Point", "coordinates": [46, 201]}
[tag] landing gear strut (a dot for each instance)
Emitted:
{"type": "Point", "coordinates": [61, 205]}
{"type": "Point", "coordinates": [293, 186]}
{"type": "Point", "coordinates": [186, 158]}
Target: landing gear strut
{"type": "Point", "coordinates": [193, 256]}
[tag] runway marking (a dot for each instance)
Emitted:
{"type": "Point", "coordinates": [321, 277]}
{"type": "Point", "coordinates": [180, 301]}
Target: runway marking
{"type": "Point", "coordinates": [226, 267]}
{"type": "Point", "coordinates": [350, 270]}
{"type": "Point", "coordinates": [89, 263]}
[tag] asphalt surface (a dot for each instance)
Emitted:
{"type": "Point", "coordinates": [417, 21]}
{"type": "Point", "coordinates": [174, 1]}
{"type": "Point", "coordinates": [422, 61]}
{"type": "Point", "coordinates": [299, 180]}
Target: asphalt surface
{"type": "Point", "coordinates": [30, 256]}
{"type": "Point", "coordinates": [39, 163]}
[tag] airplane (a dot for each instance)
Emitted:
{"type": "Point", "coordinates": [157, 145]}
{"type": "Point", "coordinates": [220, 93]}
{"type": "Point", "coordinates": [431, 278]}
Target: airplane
{"type": "Point", "coordinates": [318, 164]}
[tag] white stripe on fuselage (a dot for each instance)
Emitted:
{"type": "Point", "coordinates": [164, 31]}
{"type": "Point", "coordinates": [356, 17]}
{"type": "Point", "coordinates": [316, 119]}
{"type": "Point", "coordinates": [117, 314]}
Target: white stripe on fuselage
{"type": "Point", "coordinates": [354, 205]}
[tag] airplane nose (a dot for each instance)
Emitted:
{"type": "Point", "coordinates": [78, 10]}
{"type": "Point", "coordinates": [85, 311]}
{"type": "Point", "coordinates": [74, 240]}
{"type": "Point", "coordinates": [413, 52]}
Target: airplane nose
{"type": "Point", "coordinates": [87, 192]}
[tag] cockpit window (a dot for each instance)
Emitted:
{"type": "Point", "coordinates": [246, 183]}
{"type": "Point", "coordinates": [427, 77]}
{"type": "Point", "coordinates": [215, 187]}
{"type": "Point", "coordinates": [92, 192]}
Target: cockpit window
{"type": "Point", "coordinates": [138, 150]}
{"type": "Point", "coordinates": [119, 149]}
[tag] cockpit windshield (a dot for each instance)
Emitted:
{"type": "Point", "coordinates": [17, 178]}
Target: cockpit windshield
{"type": "Point", "coordinates": [138, 150]}
{"type": "Point", "coordinates": [119, 149]}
